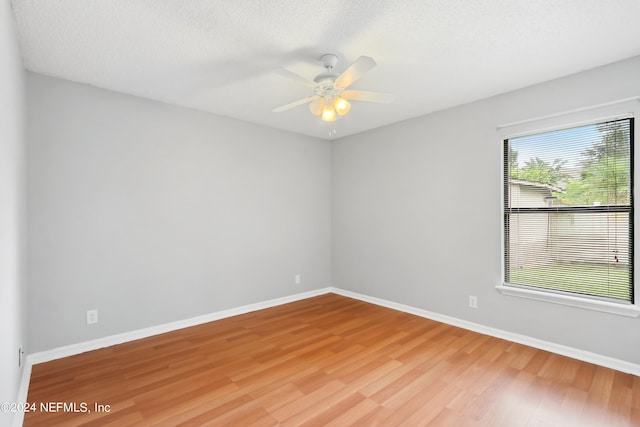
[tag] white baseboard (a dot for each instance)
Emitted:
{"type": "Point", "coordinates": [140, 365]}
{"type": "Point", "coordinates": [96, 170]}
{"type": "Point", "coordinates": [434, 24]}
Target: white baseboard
{"type": "Point", "coordinates": [73, 349]}
{"type": "Point", "coordinates": [70, 350]}
{"type": "Point", "coordinates": [23, 390]}
{"type": "Point", "coordinates": [585, 356]}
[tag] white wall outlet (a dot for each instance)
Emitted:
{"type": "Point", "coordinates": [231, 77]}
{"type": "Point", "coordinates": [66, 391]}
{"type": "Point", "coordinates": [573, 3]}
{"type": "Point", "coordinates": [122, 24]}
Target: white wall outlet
{"type": "Point", "coordinates": [92, 317]}
{"type": "Point", "coordinates": [298, 279]}
{"type": "Point", "coordinates": [473, 301]}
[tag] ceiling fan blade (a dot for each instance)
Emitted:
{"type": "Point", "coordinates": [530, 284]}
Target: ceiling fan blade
{"type": "Point", "coordinates": [316, 106]}
{"type": "Point", "coordinates": [354, 72]}
{"type": "Point", "coordinates": [363, 95]}
{"type": "Point", "coordinates": [295, 104]}
{"type": "Point", "coordinates": [295, 77]}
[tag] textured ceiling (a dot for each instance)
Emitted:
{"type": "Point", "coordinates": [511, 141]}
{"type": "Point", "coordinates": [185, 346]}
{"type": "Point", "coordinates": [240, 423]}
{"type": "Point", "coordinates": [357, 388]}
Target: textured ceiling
{"type": "Point", "coordinates": [220, 55]}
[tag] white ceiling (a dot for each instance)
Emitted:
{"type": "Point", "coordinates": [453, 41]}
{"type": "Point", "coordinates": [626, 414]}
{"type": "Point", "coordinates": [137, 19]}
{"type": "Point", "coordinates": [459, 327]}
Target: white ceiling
{"type": "Point", "coordinates": [220, 55]}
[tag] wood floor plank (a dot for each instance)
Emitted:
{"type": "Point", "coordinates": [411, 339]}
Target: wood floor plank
{"type": "Point", "coordinates": [350, 415]}
{"type": "Point", "coordinates": [330, 360]}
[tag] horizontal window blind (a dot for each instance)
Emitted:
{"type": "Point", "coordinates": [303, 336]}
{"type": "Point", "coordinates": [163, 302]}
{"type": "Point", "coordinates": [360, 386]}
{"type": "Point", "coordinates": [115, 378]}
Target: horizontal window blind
{"type": "Point", "coordinates": [568, 210]}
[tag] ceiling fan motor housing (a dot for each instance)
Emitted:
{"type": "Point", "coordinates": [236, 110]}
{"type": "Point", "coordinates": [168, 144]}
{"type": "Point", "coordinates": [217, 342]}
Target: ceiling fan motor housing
{"type": "Point", "coordinates": [325, 80]}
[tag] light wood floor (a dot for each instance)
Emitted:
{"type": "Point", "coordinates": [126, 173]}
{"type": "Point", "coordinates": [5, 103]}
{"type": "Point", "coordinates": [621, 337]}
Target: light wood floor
{"type": "Point", "coordinates": [331, 360]}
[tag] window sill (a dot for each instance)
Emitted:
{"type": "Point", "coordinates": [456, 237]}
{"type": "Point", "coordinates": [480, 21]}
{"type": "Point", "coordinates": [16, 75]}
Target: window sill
{"type": "Point", "coordinates": [588, 304]}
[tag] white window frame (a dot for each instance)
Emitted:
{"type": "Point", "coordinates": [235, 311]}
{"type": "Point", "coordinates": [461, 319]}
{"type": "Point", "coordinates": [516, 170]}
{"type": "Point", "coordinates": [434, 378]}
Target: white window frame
{"type": "Point", "coordinates": [625, 108]}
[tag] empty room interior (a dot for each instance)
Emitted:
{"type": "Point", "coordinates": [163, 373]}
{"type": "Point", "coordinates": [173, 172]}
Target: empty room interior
{"type": "Point", "coordinates": [319, 213]}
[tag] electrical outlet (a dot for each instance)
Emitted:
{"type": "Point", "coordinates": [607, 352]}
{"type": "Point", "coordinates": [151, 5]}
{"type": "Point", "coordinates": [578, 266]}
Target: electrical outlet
{"type": "Point", "coordinates": [473, 301]}
{"type": "Point", "coordinates": [92, 317]}
{"type": "Point", "coordinates": [298, 279]}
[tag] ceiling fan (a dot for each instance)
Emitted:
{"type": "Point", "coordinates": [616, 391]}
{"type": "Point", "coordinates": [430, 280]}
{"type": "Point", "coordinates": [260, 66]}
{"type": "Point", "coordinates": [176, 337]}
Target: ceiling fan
{"type": "Point", "coordinates": [331, 99]}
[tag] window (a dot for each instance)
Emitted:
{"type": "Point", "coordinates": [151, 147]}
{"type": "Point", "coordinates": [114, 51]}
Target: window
{"type": "Point", "coordinates": [568, 211]}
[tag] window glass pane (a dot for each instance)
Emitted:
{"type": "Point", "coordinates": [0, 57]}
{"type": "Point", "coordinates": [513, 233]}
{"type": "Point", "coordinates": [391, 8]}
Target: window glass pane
{"type": "Point", "coordinates": [582, 166]}
{"type": "Point", "coordinates": [585, 253]}
{"type": "Point", "coordinates": [568, 210]}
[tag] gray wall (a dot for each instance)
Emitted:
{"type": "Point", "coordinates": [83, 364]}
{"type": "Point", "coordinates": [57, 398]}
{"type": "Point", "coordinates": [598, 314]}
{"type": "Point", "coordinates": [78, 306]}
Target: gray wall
{"type": "Point", "coordinates": [417, 213]}
{"type": "Point", "coordinates": [12, 283]}
{"type": "Point", "coordinates": [152, 213]}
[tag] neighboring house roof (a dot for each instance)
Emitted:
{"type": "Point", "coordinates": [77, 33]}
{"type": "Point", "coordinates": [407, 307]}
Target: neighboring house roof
{"type": "Point", "coordinates": [537, 184]}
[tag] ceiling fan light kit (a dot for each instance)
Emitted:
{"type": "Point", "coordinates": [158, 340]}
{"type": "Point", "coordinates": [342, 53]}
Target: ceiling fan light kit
{"type": "Point", "coordinates": [341, 105]}
{"type": "Point", "coordinates": [328, 114]}
{"type": "Point", "coordinates": [330, 99]}
{"type": "Point", "coordinates": [327, 108]}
